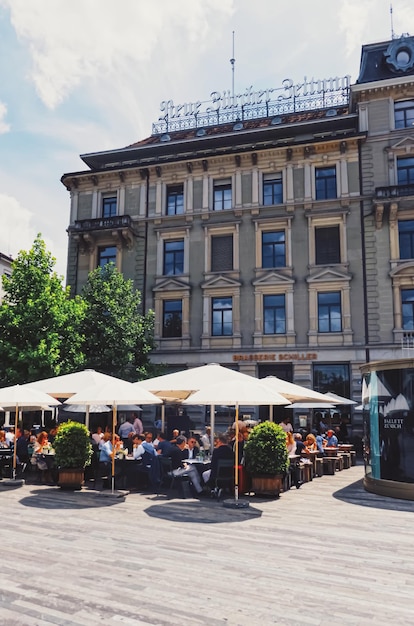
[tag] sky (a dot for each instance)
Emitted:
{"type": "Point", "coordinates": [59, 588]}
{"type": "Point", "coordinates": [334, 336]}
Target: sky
{"type": "Point", "coordinates": [89, 75]}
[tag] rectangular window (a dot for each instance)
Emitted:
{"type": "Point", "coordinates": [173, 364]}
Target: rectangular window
{"type": "Point", "coordinates": [404, 114]}
{"type": "Point", "coordinates": [332, 377]}
{"type": "Point", "coordinates": [405, 170]}
{"type": "Point", "coordinates": [109, 206]}
{"type": "Point", "coordinates": [329, 312]}
{"type": "Point", "coordinates": [274, 249]}
{"type": "Point", "coordinates": [327, 245]}
{"type": "Point", "coordinates": [222, 197]}
{"type": "Point", "coordinates": [172, 318]}
{"type": "Point", "coordinates": [407, 302]}
{"type": "Point", "coordinates": [174, 257]}
{"type": "Point", "coordinates": [272, 189]}
{"type": "Point", "coordinates": [175, 200]}
{"type": "Point", "coordinates": [274, 315]}
{"type": "Point", "coordinates": [325, 183]}
{"type": "Point", "coordinates": [221, 253]}
{"type": "Point", "coordinates": [406, 239]}
{"type": "Point", "coordinates": [222, 316]}
{"type": "Point", "coordinates": [106, 255]}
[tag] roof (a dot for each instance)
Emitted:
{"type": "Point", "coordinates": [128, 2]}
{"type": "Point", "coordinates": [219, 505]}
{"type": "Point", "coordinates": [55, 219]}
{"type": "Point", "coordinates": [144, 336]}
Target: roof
{"type": "Point", "coordinates": [256, 134]}
{"type": "Point", "coordinates": [387, 60]}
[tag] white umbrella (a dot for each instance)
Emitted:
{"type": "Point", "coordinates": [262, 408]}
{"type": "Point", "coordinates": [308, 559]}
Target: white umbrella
{"type": "Point", "coordinates": [113, 392]}
{"type": "Point", "coordinates": [335, 399]}
{"type": "Point", "coordinates": [246, 391]}
{"type": "Point", "coordinates": [22, 397]}
{"type": "Point", "coordinates": [178, 386]}
{"type": "Point", "coordinates": [310, 405]}
{"type": "Point", "coordinates": [68, 384]}
{"type": "Point", "coordinates": [293, 392]}
{"type": "Point", "coordinates": [86, 408]}
{"type": "Point", "coordinates": [129, 407]}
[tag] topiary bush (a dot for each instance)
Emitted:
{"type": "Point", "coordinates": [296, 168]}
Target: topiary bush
{"type": "Point", "coordinates": [72, 446]}
{"type": "Point", "coordinates": [265, 451]}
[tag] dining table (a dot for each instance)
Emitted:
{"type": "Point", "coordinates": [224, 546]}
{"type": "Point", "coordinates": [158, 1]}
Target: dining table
{"type": "Point", "coordinates": [330, 450]}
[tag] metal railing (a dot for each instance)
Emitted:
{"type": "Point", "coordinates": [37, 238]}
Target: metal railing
{"type": "Point", "coordinates": [102, 223]}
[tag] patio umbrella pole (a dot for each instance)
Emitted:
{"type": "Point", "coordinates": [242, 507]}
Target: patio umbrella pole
{"type": "Point", "coordinates": [236, 457]}
{"type": "Point", "coordinates": [271, 413]}
{"type": "Point", "coordinates": [113, 447]}
{"type": "Point", "coordinates": [15, 443]}
{"type": "Point", "coordinates": [163, 417]}
{"type": "Point", "coordinates": [212, 426]}
{"type": "Point", "coordinates": [87, 417]}
{"type": "Point", "coordinates": [236, 503]}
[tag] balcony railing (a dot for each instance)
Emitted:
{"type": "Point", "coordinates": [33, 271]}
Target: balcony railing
{"type": "Point", "coordinates": [395, 191]}
{"type": "Point", "coordinates": [102, 223]}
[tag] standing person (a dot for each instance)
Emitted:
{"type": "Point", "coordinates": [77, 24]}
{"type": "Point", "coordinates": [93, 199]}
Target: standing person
{"type": "Point", "coordinates": [137, 424]}
{"type": "Point", "coordinates": [206, 439]}
{"type": "Point", "coordinates": [286, 425]}
{"type": "Point", "coordinates": [343, 430]}
{"type": "Point", "coordinates": [125, 431]}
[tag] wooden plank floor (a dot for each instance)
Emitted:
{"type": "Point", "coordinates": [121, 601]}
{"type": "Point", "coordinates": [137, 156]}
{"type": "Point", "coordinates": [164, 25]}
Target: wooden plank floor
{"type": "Point", "coordinates": [328, 553]}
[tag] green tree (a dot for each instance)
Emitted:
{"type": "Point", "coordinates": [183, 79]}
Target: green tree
{"type": "Point", "coordinates": [118, 338]}
{"type": "Point", "coordinates": [39, 321]}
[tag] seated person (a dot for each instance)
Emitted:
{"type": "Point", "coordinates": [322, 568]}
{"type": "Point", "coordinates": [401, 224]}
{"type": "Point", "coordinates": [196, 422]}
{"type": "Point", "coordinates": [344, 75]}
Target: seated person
{"type": "Point", "coordinates": [137, 447]}
{"type": "Point", "coordinates": [332, 439]}
{"type": "Point", "coordinates": [179, 467]}
{"type": "Point", "coordinates": [163, 446]}
{"type": "Point", "coordinates": [222, 450]}
{"type": "Point", "coordinates": [175, 434]}
{"type": "Point", "coordinates": [320, 444]}
{"type": "Point", "coordinates": [191, 450]}
{"type": "Point", "coordinates": [310, 443]}
{"type": "Point", "coordinates": [300, 446]}
{"type": "Point", "coordinates": [290, 443]}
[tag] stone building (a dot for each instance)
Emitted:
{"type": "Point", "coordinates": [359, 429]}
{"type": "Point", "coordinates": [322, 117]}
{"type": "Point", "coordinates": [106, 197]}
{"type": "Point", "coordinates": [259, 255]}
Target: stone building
{"type": "Point", "coordinates": [270, 231]}
{"type": "Point", "coordinates": [5, 268]}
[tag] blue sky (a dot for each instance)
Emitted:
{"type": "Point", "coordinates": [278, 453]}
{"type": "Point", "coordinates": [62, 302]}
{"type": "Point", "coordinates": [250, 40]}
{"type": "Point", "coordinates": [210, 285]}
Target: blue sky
{"type": "Point", "coordinates": [89, 75]}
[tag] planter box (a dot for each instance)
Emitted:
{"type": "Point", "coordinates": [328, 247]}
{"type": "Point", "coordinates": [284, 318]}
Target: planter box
{"type": "Point", "coordinates": [71, 478]}
{"type": "Point", "coordinates": [267, 485]}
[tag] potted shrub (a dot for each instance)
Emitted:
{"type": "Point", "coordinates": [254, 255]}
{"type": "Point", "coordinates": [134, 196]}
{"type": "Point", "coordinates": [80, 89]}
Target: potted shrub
{"type": "Point", "coordinates": [266, 458]}
{"type": "Point", "coordinates": [73, 451]}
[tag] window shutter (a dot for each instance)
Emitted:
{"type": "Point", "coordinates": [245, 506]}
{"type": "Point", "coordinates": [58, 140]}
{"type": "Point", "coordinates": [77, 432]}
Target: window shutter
{"type": "Point", "coordinates": [221, 253]}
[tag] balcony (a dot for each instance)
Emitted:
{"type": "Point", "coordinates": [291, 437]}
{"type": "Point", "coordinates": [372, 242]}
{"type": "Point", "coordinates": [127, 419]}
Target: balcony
{"type": "Point", "coordinates": [395, 191]}
{"type": "Point", "coordinates": [88, 233]}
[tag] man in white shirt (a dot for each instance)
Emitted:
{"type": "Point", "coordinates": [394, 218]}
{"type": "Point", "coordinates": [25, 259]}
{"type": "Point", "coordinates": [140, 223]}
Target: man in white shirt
{"type": "Point", "coordinates": [138, 449]}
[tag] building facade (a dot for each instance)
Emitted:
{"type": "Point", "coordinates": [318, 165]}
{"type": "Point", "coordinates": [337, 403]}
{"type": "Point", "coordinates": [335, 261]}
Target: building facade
{"type": "Point", "coordinates": [5, 268]}
{"type": "Point", "coordinates": [270, 231]}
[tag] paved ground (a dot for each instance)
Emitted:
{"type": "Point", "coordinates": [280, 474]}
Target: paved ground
{"type": "Point", "coordinates": [329, 553]}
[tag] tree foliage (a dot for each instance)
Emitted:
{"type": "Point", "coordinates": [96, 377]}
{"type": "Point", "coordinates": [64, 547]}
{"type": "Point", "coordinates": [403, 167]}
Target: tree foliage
{"type": "Point", "coordinates": [265, 450]}
{"type": "Point", "coordinates": [118, 338]}
{"type": "Point", "coordinates": [39, 321]}
{"type": "Point", "coordinates": [72, 446]}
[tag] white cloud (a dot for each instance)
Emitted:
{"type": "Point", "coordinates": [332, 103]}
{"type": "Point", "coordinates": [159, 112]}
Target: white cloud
{"type": "Point", "coordinates": [17, 232]}
{"type": "Point", "coordinates": [92, 39]}
{"type": "Point", "coordinates": [4, 127]}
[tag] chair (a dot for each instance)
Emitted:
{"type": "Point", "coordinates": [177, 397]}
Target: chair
{"type": "Point", "coordinates": [167, 478]}
{"type": "Point", "coordinates": [224, 478]}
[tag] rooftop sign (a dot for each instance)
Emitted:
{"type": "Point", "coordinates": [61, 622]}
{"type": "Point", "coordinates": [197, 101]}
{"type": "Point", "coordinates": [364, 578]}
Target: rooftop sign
{"type": "Point", "coordinates": [224, 107]}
